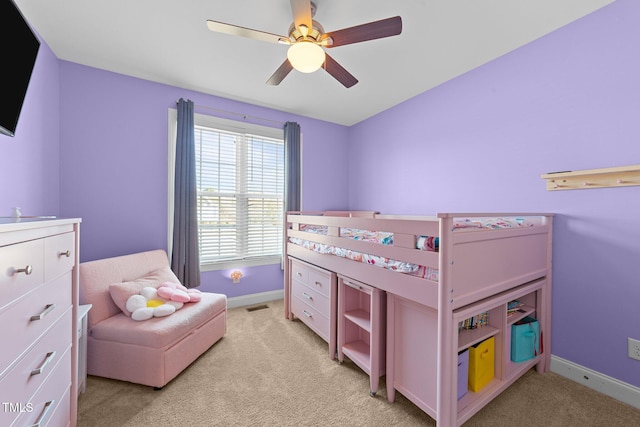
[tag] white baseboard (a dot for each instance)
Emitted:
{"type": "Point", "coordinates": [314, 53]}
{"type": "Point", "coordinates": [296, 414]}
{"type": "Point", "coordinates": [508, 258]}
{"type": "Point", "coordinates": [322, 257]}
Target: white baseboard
{"type": "Point", "coordinates": [254, 298]}
{"type": "Point", "coordinates": [612, 387]}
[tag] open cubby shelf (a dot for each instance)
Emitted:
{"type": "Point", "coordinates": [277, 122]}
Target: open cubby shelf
{"type": "Point", "coordinates": [470, 337]}
{"type": "Point", "coordinates": [361, 330]}
{"type": "Point", "coordinates": [499, 327]}
{"type": "Point", "coordinates": [360, 317]}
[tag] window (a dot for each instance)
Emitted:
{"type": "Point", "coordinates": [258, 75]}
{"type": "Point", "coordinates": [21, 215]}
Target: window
{"type": "Point", "coordinates": [240, 184]}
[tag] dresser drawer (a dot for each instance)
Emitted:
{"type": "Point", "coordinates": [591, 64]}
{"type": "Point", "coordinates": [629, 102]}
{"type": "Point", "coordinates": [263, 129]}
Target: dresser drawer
{"type": "Point", "coordinates": [299, 272]}
{"type": "Point", "coordinates": [312, 298]}
{"type": "Point", "coordinates": [25, 256]}
{"type": "Point", "coordinates": [311, 317]}
{"type": "Point", "coordinates": [318, 279]}
{"type": "Point", "coordinates": [22, 381]}
{"type": "Point", "coordinates": [51, 406]}
{"type": "Point", "coordinates": [59, 255]}
{"type": "Point", "coordinates": [62, 413]}
{"type": "Point", "coordinates": [31, 316]}
{"type": "Point", "coordinates": [321, 282]}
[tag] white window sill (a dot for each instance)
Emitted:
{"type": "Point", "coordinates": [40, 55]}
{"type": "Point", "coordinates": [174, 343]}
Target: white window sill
{"type": "Point", "coordinates": [226, 265]}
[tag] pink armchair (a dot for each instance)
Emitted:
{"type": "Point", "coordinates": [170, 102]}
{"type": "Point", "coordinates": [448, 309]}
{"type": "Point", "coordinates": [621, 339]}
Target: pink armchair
{"type": "Point", "coordinates": [150, 352]}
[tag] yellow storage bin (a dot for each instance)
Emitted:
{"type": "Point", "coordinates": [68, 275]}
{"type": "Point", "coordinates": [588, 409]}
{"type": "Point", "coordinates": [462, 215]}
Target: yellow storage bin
{"type": "Point", "coordinates": [481, 361]}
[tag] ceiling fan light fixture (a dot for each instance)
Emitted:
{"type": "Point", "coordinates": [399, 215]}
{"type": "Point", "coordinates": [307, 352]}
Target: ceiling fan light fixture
{"type": "Point", "coordinates": [306, 56]}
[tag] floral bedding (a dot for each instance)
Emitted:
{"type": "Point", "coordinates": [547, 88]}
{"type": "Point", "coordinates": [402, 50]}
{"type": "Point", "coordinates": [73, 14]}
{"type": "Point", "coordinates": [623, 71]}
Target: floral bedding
{"type": "Point", "coordinates": [378, 261]}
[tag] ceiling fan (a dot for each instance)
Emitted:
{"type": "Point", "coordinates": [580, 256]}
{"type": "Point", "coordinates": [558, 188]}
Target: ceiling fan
{"type": "Point", "coordinates": [307, 39]}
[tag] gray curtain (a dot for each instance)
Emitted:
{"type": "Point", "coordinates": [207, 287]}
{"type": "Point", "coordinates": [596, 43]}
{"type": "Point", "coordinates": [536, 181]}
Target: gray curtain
{"type": "Point", "coordinates": [292, 154]}
{"type": "Point", "coordinates": [185, 256]}
{"type": "Point", "coordinates": [292, 184]}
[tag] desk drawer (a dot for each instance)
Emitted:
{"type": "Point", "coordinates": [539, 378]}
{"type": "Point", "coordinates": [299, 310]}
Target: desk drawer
{"type": "Point", "coordinates": [31, 316]}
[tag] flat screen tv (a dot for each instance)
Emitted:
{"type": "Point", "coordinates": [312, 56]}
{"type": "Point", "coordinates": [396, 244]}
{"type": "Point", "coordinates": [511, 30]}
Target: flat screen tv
{"type": "Point", "coordinates": [18, 50]}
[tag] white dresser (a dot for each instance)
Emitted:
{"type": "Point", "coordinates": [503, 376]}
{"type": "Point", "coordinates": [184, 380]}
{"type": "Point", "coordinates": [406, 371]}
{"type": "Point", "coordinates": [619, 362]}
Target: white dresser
{"type": "Point", "coordinates": [38, 318]}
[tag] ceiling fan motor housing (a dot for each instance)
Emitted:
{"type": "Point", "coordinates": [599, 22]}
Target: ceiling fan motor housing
{"type": "Point", "coordinates": [313, 33]}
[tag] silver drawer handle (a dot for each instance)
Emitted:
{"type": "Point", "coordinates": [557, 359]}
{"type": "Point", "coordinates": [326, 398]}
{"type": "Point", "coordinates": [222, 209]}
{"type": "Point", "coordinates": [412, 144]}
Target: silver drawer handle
{"type": "Point", "coordinates": [299, 274]}
{"type": "Point", "coordinates": [67, 253]}
{"type": "Point", "coordinates": [307, 314]}
{"type": "Point", "coordinates": [27, 270]}
{"type": "Point", "coordinates": [47, 309]}
{"type": "Point", "coordinates": [307, 296]}
{"type": "Point", "coordinates": [46, 361]}
{"type": "Point", "coordinates": [43, 415]}
{"type": "Point", "coordinates": [318, 283]}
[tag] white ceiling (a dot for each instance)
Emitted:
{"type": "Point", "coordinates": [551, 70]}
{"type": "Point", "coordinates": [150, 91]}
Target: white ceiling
{"type": "Point", "coordinates": [167, 41]}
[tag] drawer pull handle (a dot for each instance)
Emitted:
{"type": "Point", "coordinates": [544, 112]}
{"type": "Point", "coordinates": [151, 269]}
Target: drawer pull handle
{"type": "Point", "coordinates": [67, 253]}
{"type": "Point", "coordinates": [47, 309]}
{"type": "Point", "coordinates": [318, 284]}
{"type": "Point", "coordinates": [307, 314]}
{"type": "Point", "coordinates": [353, 285]}
{"type": "Point", "coordinates": [307, 296]}
{"type": "Point", "coordinates": [27, 270]}
{"type": "Point", "coordinates": [46, 361]}
{"type": "Point", "coordinates": [299, 274]}
{"type": "Point", "coordinates": [43, 415]}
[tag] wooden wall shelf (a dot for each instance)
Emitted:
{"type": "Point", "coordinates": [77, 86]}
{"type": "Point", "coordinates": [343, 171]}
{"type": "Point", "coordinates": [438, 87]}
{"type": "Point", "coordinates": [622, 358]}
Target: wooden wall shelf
{"type": "Point", "coordinates": [623, 176]}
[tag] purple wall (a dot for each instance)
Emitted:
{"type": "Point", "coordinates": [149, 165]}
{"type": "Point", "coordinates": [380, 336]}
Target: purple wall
{"type": "Point", "coordinates": [568, 101]}
{"type": "Point", "coordinates": [29, 162]}
{"type": "Point", "coordinates": [113, 165]}
{"type": "Point", "coordinates": [93, 144]}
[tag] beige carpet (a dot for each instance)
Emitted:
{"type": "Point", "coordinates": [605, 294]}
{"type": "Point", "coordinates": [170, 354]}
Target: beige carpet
{"type": "Point", "coordinates": [268, 371]}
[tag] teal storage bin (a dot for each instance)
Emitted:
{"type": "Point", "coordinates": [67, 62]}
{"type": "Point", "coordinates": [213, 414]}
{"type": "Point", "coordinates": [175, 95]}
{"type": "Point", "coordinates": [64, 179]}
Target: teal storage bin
{"type": "Point", "coordinates": [525, 339]}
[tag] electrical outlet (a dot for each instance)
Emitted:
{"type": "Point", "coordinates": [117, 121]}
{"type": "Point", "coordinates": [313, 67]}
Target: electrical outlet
{"type": "Point", "coordinates": [634, 349]}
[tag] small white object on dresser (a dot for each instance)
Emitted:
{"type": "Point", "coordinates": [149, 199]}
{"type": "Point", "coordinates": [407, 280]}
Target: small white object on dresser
{"type": "Point", "coordinates": [38, 311]}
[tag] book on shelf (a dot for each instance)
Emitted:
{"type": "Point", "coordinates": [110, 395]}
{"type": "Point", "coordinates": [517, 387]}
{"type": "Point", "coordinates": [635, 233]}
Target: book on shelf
{"type": "Point", "coordinates": [513, 307]}
{"type": "Point", "coordinates": [474, 322]}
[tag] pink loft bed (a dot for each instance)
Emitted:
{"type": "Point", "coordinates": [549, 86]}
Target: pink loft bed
{"type": "Point", "coordinates": [436, 272]}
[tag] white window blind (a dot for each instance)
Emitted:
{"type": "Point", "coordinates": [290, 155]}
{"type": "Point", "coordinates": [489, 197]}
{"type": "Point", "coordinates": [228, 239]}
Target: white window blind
{"type": "Point", "coordinates": [240, 180]}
